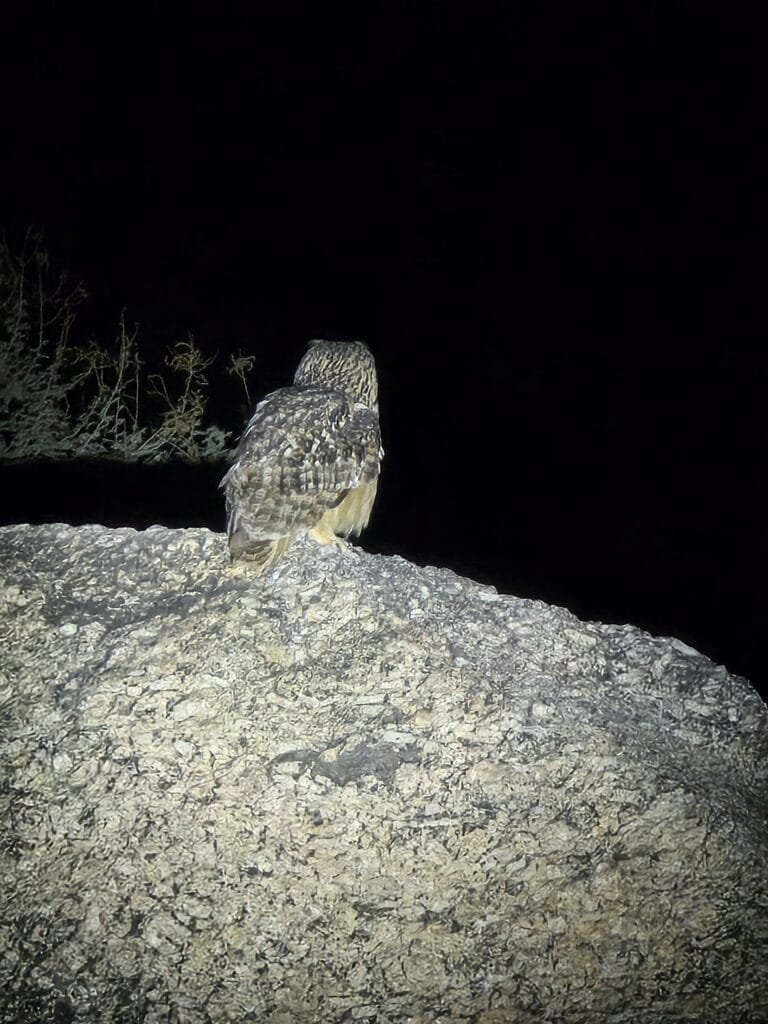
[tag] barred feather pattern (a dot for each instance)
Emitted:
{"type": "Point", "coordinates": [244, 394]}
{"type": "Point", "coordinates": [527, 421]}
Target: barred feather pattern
{"type": "Point", "coordinates": [309, 458]}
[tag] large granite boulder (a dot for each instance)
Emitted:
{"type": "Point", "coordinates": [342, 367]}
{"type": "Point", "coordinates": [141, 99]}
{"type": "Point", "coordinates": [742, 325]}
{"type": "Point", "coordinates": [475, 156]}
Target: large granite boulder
{"type": "Point", "coordinates": [356, 789]}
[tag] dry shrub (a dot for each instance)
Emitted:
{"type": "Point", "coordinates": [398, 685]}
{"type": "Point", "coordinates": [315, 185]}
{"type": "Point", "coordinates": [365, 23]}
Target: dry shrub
{"type": "Point", "coordinates": [60, 399]}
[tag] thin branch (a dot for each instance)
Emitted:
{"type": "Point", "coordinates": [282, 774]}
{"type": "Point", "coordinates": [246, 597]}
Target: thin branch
{"type": "Point", "coordinates": [60, 399]}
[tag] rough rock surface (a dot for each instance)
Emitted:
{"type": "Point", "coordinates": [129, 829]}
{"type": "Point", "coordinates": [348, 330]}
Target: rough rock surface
{"type": "Point", "coordinates": [356, 789]}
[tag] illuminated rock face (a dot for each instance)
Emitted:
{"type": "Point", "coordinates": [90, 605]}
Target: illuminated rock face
{"type": "Point", "coordinates": [356, 789]}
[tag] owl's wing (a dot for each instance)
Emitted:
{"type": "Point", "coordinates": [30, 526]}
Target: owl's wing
{"type": "Point", "coordinates": [303, 450]}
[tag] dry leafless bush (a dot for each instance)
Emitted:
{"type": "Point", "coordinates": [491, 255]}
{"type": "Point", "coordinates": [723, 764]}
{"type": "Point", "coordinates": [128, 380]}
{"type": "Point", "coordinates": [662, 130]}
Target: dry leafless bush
{"type": "Point", "coordinates": [60, 399]}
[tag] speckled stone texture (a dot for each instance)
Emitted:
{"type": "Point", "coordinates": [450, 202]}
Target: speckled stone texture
{"type": "Point", "coordinates": [359, 790]}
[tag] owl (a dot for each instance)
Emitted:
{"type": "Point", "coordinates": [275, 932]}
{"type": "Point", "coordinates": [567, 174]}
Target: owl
{"type": "Point", "coordinates": [309, 458]}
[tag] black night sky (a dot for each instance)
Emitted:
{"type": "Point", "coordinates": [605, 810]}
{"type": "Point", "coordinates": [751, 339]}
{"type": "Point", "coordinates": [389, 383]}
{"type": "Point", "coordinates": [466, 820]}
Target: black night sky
{"type": "Point", "coordinates": [547, 219]}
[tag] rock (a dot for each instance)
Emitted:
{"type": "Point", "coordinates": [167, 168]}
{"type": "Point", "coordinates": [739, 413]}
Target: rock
{"type": "Point", "coordinates": [357, 789]}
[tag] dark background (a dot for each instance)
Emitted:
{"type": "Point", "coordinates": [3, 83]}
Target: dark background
{"type": "Point", "coordinates": [545, 218]}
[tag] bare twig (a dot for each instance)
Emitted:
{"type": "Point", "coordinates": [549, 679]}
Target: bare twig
{"type": "Point", "coordinates": [64, 400]}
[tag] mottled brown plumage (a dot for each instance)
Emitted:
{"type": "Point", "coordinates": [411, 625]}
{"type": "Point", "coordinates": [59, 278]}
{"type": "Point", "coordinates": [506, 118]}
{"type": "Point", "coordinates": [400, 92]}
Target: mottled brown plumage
{"type": "Point", "coordinates": [309, 458]}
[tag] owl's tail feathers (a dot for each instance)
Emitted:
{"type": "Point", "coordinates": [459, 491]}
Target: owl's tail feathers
{"type": "Point", "coordinates": [260, 554]}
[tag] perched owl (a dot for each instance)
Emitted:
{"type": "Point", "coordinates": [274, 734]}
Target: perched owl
{"type": "Point", "coordinates": [309, 458]}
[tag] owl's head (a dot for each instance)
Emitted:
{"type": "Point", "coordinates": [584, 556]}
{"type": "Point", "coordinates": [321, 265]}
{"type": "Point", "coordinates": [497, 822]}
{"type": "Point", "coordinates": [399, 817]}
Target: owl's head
{"type": "Point", "coordinates": [346, 365]}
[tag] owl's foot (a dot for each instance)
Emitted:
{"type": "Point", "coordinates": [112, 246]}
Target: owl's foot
{"type": "Point", "coordinates": [325, 536]}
